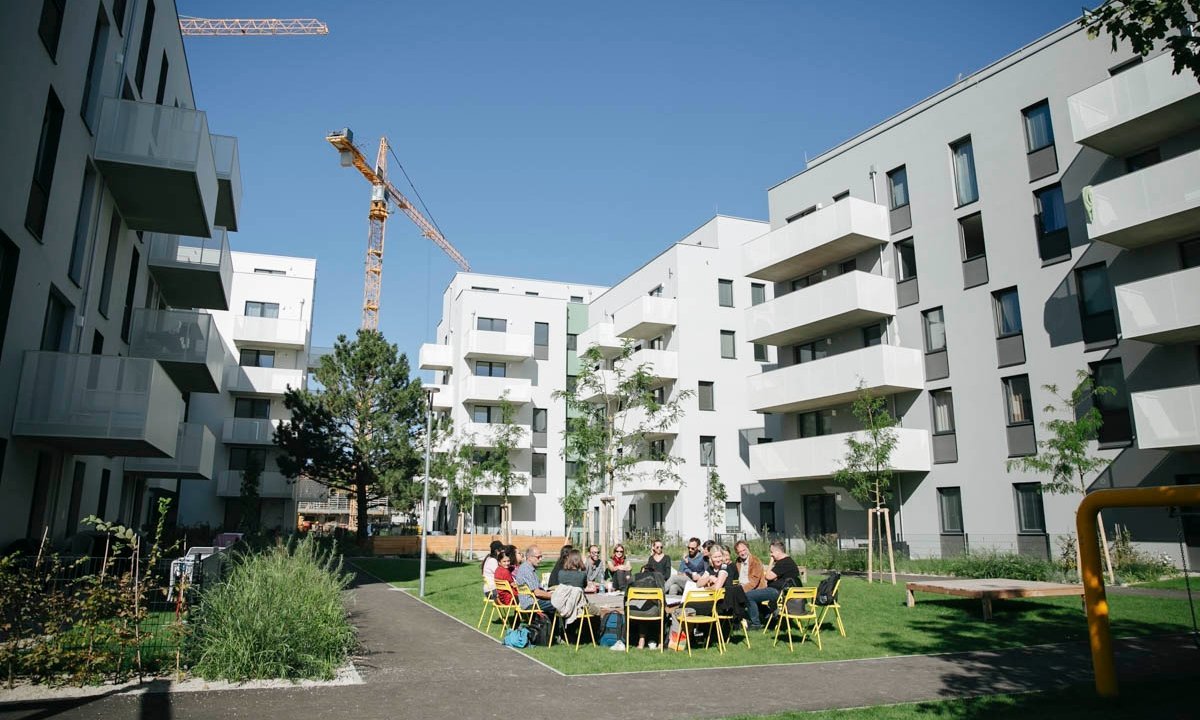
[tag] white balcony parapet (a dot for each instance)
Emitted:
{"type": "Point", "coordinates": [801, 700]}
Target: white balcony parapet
{"type": "Point", "coordinates": [229, 180]}
{"type": "Point", "coordinates": [605, 384]}
{"type": "Point", "coordinates": [834, 380]}
{"type": "Point", "coordinates": [195, 451]}
{"type": "Point", "coordinates": [270, 485]}
{"type": "Point", "coordinates": [158, 164]}
{"type": "Point", "coordinates": [645, 477]}
{"type": "Point", "coordinates": [436, 357]}
{"type": "Point", "coordinates": [821, 457]}
{"type": "Point", "coordinates": [1156, 203]}
{"type": "Point", "coordinates": [483, 435]}
{"type": "Point", "coordinates": [270, 332]}
{"type": "Point", "coordinates": [1135, 108]}
{"type": "Point", "coordinates": [485, 389]}
{"type": "Point", "coordinates": [646, 317]}
{"type": "Point", "coordinates": [340, 505]}
{"type": "Point", "coordinates": [846, 301]}
{"type": "Point", "coordinates": [1168, 418]}
{"type": "Point", "coordinates": [828, 235]}
{"type": "Point", "coordinates": [443, 399]}
{"type": "Point", "coordinates": [192, 272]}
{"type": "Point", "coordinates": [315, 353]}
{"type": "Point", "coordinates": [185, 342]}
{"type": "Point", "coordinates": [249, 431]}
{"type": "Point", "coordinates": [630, 420]}
{"type": "Point", "coordinates": [601, 335]}
{"type": "Point", "coordinates": [662, 365]}
{"type": "Point", "coordinates": [98, 404]}
{"type": "Point", "coordinates": [261, 380]}
{"type": "Point", "coordinates": [487, 344]}
{"type": "Point", "coordinates": [522, 484]}
{"type": "Point", "coordinates": [1163, 309]}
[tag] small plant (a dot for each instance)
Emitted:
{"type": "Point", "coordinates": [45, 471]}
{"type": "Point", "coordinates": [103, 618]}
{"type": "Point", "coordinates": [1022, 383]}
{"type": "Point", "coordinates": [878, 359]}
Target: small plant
{"type": "Point", "coordinates": [1068, 553]}
{"type": "Point", "coordinates": [714, 502]}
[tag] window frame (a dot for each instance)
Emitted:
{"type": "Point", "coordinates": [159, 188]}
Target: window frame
{"type": "Point", "coordinates": [925, 329]}
{"type": "Point", "coordinates": [724, 292]}
{"type": "Point", "coordinates": [732, 335]}
{"type": "Point", "coordinates": [1088, 318]}
{"type": "Point", "coordinates": [891, 175]}
{"type": "Point", "coordinates": [712, 396]}
{"type": "Point", "coordinates": [758, 293]}
{"type": "Point", "coordinates": [1025, 116]}
{"type": "Point", "coordinates": [964, 141]}
{"type": "Point", "coordinates": [952, 494]}
{"type": "Point", "coordinates": [962, 236]}
{"type": "Point", "coordinates": [933, 411]}
{"type": "Point", "coordinates": [1034, 489]}
{"type": "Point", "coordinates": [736, 507]}
{"type": "Point", "coordinates": [491, 323]}
{"type": "Point", "coordinates": [1006, 386]}
{"type": "Point", "coordinates": [544, 327]}
{"type": "Point", "coordinates": [901, 246]}
{"type": "Point", "coordinates": [999, 315]}
{"type": "Point", "coordinates": [711, 441]}
{"type": "Point", "coordinates": [1121, 399]}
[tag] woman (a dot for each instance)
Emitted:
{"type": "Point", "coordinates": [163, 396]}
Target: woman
{"type": "Point", "coordinates": [619, 567]}
{"type": "Point", "coordinates": [726, 577]}
{"type": "Point", "coordinates": [558, 564]}
{"type": "Point", "coordinates": [514, 558]}
{"type": "Point", "coordinates": [489, 568]}
{"type": "Point", "coordinates": [573, 572]}
{"type": "Point", "coordinates": [504, 572]}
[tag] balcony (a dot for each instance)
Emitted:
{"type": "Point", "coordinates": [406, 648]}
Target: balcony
{"type": "Point", "coordinates": [306, 490]}
{"type": "Point", "coordinates": [185, 342]}
{"type": "Point", "coordinates": [192, 272]}
{"type": "Point", "coordinates": [249, 431]}
{"type": "Point", "coordinates": [846, 301]}
{"type": "Point", "coordinates": [634, 418]}
{"type": "Point", "coordinates": [661, 365]}
{"type": "Point", "coordinates": [646, 318]}
{"type": "Point", "coordinates": [821, 457]}
{"type": "Point", "coordinates": [1163, 309]}
{"type": "Point", "coordinates": [483, 435]}
{"type": "Point", "coordinates": [98, 404]}
{"type": "Point", "coordinates": [600, 335]}
{"type": "Point", "coordinates": [605, 383]}
{"type": "Point", "coordinates": [443, 399]}
{"type": "Point", "coordinates": [195, 450]}
{"type": "Point", "coordinates": [826, 236]}
{"type": "Point", "coordinates": [644, 477]}
{"type": "Point", "coordinates": [521, 486]}
{"type": "Point", "coordinates": [270, 485]}
{"type": "Point", "coordinates": [270, 332]}
{"type": "Point", "coordinates": [229, 180]}
{"type": "Point", "coordinates": [158, 164]}
{"type": "Point", "coordinates": [262, 380]}
{"type": "Point", "coordinates": [1167, 419]}
{"type": "Point", "coordinates": [489, 345]}
{"type": "Point", "coordinates": [315, 353]}
{"type": "Point", "coordinates": [436, 357]}
{"type": "Point", "coordinates": [834, 380]}
{"type": "Point", "coordinates": [339, 505]}
{"type": "Point", "coordinates": [484, 389]}
{"type": "Point", "coordinates": [1157, 203]}
{"type": "Point", "coordinates": [1136, 108]}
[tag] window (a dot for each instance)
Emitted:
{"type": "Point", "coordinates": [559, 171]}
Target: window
{"type": "Point", "coordinates": [943, 410]}
{"type": "Point", "coordinates": [898, 187]}
{"type": "Point", "coordinates": [487, 368]}
{"type": "Point", "coordinates": [56, 325]}
{"type": "Point", "coordinates": [1143, 159]}
{"type": "Point", "coordinates": [1052, 212]}
{"type": "Point", "coordinates": [1018, 402]}
{"type": "Point", "coordinates": [658, 450]}
{"type": "Point", "coordinates": [487, 518]}
{"type": "Point", "coordinates": [95, 71]}
{"type": "Point", "coordinates": [658, 515]}
{"type": "Point", "coordinates": [848, 266]}
{"type": "Point", "coordinates": [257, 358]}
{"type": "Point", "coordinates": [708, 451]}
{"type": "Point", "coordinates": [486, 414]}
{"type": "Point", "coordinates": [118, 11]}
{"type": "Point", "coordinates": [758, 293]}
{"type": "Point", "coordinates": [660, 395]}
{"type": "Point", "coordinates": [872, 335]}
{"type": "Point", "coordinates": [163, 69]}
{"type": "Point", "coordinates": [256, 408]}
{"type": "Point", "coordinates": [906, 260]}
{"type": "Point", "coordinates": [1126, 65]}
{"type": "Point", "coordinates": [1039, 132]}
{"type": "Point", "coordinates": [531, 293]}
{"type": "Point", "coordinates": [728, 347]}
{"type": "Point", "coordinates": [809, 351]}
{"type": "Point", "coordinates": [572, 342]}
{"type": "Point", "coordinates": [841, 196]}
{"type": "Point", "coordinates": [1189, 254]}
{"type": "Point", "coordinates": [269, 271]}
{"type": "Point", "coordinates": [541, 334]}
{"type": "Point", "coordinates": [1030, 516]}
{"type": "Point", "coordinates": [806, 211]}
{"type": "Point", "coordinates": [110, 263]}
{"type": "Point", "coordinates": [725, 293]}
{"type": "Point", "coordinates": [760, 352]}
{"type": "Point", "coordinates": [964, 171]}
{"type": "Point", "coordinates": [43, 165]}
{"type": "Point", "coordinates": [50, 25]}
{"type": "Point", "coordinates": [820, 515]}
{"type": "Point", "coordinates": [572, 383]}
{"type": "Point", "coordinates": [539, 420]}
{"type": "Point", "coordinates": [733, 517]}
{"type": "Point", "coordinates": [485, 289]}
{"type": "Point", "coordinates": [102, 499]}
{"type": "Point", "coordinates": [577, 298]}
{"type": "Point", "coordinates": [1114, 408]}
{"type": "Point", "coordinates": [255, 308]}
{"type": "Point", "coordinates": [240, 457]}
{"type": "Point", "coordinates": [971, 231]}
{"type": "Point", "coordinates": [10, 257]}
{"type": "Point", "coordinates": [538, 467]}
{"type": "Point", "coordinates": [705, 395]}
{"type": "Point", "coordinates": [571, 469]}
{"type": "Point", "coordinates": [815, 424]}
{"type": "Point", "coordinates": [935, 330]}
{"type": "Point", "coordinates": [1007, 307]}
{"type": "Point", "coordinates": [656, 292]}
{"type": "Point", "coordinates": [1096, 304]}
{"type": "Point", "coordinates": [83, 224]}
{"type": "Point", "coordinates": [950, 510]}
{"type": "Point", "coordinates": [491, 324]}
{"type": "Point", "coordinates": [766, 517]}
{"type": "Point", "coordinates": [139, 75]}
{"type": "Point", "coordinates": [97, 343]}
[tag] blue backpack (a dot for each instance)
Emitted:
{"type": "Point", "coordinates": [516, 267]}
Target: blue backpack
{"type": "Point", "coordinates": [516, 637]}
{"type": "Point", "coordinates": [613, 629]}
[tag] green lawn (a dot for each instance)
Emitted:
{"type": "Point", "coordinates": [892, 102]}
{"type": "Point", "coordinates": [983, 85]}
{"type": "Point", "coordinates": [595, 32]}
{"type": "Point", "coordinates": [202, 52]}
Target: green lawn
{"type": "Point", "coordinates": [877, 623]}
{"type": "Point", "coordinates": [1176, 583]}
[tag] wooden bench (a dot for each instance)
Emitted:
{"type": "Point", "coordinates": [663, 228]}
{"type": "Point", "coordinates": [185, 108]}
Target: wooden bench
{"type": "Point", "coordinates": [988, 589]}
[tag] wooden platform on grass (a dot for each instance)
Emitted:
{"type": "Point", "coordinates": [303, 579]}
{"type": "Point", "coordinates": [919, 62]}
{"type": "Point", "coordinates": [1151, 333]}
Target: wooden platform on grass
{"type": "Point", "coordinates": [988, 589]}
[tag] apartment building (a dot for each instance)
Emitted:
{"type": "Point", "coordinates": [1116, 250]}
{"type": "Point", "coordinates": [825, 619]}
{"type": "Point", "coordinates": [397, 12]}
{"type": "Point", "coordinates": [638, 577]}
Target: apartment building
{"type": "Point", "coordinates": [1035, 219]}
{"type": "Point", "coordinates": [512, 338]}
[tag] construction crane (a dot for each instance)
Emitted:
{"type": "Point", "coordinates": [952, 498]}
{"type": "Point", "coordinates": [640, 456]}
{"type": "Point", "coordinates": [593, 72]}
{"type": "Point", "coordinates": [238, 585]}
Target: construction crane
{"type": "Point", "coordinates": [212, 27]}
{"type": "Point", "coordinates": [381, 190]}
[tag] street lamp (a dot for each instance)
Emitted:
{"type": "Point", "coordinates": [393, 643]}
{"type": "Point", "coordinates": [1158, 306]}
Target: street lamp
{"type": "Point", "coordinates": [429, 393]}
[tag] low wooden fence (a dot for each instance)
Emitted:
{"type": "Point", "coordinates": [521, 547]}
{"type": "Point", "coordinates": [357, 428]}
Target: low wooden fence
{"type": "Point", "coordinates": [443, 545]}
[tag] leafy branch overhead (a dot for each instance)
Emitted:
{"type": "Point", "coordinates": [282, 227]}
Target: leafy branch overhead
{"type": "Point", "coordinates": [1145, 24]}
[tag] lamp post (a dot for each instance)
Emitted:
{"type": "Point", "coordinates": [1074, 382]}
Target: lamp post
{"type": "Point", "coordinates": [429, 393]}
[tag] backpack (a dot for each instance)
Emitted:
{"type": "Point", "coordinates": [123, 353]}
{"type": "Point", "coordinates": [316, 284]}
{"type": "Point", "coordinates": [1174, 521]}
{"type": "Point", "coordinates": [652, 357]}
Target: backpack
{"type": "Point", "coordinates": [825, 594]}
{"type": "Point", "coordinates": [612, 629]}
{"type": "Point", "coordinates": [516, 637]}
{"type": "Point", "coordinates": [539, 630]}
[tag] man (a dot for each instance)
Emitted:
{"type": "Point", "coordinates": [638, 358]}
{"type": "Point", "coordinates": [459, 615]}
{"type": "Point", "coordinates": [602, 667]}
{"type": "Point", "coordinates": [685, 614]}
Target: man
{"type": "Point", "coordinates": [691, 567]}
{"type": "Point", "coordinates": [594, 568]}
{"type": "Point", "coordinates": [783, 572]}
{"type": "Point", "coordinates": [528, 575]}
{"type": "Point", "coordinates": [750, 569]}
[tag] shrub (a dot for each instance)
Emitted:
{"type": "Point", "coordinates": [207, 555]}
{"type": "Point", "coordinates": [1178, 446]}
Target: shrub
{"type": "Point", "coordinates": [280, 614]}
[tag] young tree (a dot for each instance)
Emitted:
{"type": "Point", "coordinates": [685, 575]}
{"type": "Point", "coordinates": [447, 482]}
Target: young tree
{"type": "Point", "coordinates": [574, 504]}
{"type": "Point", "coordinates": [1145, 23]}
{"type": "Point", "coordinates": [495, 460]}
{"type": "Point", "coordinates": [356, 433]}
{"type": "Point", "coordinates": [867, 470]}
{"type": "Point", "coordinates": [1064, 454]}
{"type": "Point", "coordinates": [611, 415]}
{"type": "Point", "coordinates": [249, 499]}
{"type": "Point", "coordinates": [714, 502]}
{"type": "Point", "coordinates": [452, 469]}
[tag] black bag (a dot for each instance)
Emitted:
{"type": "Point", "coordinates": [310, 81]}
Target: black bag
{"type": "Point", "coordinates": [825, 594]}
{"type": "Point", "coordinates": [539, 630]}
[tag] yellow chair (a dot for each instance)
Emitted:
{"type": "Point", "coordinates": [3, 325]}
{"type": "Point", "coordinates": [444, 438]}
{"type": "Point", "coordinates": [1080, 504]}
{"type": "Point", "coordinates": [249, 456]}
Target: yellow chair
{"type": "Point", "coordinates": [704, 604]}
{"type": "Point", "coordinates": [733, 624]}
{"type": "Point", "coordinates": [633, 615]}
{"type": "Point", "coordinates": [585, 617]}
{"type": "Point", "coordinates": [836, 607]}
{"type": "Point", "coordinates": [504, 610]}
{"type": "Point", "coordinates": [534, 607]}
{"type": "Point", "coordinates": [487, 603]}
{"type": "Point", "coordinates": [788, 614]}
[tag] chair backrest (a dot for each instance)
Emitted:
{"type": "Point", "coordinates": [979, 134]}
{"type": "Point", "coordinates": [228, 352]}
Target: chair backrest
{"type": "Point", "coordinates": [792, 594]}
{"type": "Point", "coordinates": [505, 586]}
{"type": "Point", "coordinates": [524, 589]}
{"type": "Point", "coordinates": [702, 597]}
{"type": "Point", "coordinates": [636, 594]}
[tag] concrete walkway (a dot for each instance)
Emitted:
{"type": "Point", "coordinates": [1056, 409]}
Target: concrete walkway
{"type": "Point", "coordinates": [420, 663]}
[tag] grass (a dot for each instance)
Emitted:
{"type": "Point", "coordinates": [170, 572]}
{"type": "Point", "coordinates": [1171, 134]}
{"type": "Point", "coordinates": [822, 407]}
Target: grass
{"type": "Point", "coordinates": [1177, 583]}
{"type": "Point", "coordinates": [877, 623]}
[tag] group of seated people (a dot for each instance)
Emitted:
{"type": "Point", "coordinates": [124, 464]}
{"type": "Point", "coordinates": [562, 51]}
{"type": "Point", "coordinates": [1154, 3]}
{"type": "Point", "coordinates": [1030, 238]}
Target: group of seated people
{"type": "Point", "coordinates": [746, 580]}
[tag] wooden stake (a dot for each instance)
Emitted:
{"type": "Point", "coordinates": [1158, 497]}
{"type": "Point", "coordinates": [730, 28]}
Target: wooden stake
{"type": "Point", "coordinates": [870, 541]}
{"type": "Point", "coordinates": [1112, 580]}
{"type": "Point", "coordinates": [887, 521]}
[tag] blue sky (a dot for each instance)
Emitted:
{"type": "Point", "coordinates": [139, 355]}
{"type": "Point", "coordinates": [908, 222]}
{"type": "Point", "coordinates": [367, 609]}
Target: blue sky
{"type": "Point", "coordinates": [558, 140]}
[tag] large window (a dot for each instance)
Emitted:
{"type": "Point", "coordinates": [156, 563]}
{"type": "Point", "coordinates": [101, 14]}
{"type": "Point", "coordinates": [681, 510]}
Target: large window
{"type": "Point", "coordinates": [935, 330]}
{"type": "Point", "coordinates": [809, 351]}
{"type": "Point", "coordinates": [705, 395]}
{"type": "Point", "coordinates": [766, 517]}
{"type": "Point", "coordinates": [110, 264]}
{"type": "Point", "coordinates": [10, 257]}
{"type": "Point", "coordinates": [1096, 304]}
{"type": "Point", "coordinates": [906, 260]}
{"type": "Point", "coordinates": [1018, 402]}
{"type": "Point", "coordinates": [1052, 211]}
{"type": "Point", "coordinates": [541, 334]}
{"type": "Point", "coordinates": [758, 293]}
{"type": "Point", "coordinates": [728, 345]}
{"type": "Point", "coordinates": [1007, 307]}
{"type": "Point", "coordinates": [820, 515]}
{"type": "Point", "coordinates": [240, 457]}
{"type": "Point", "coordinates": [1031, 518]}
{"type": "Point", "coordinates": [43, 165]}
{"type": "Point", "coordinates": [971, 233]}
{"type": "Point", "coordinates": [130, 293]}
{"type": "Point", "coordinates": [572, 342]}
{"type": "Point", "coordinates": [256, 308]}
{"type": "Point", "coordinates": [725, 293]}
{"type": "Point", "coordinates": [1189, 254]}
{"type": "Point", "coordinates": [708, 451]}
{"type": "Point", "coordinates": [964, 171]}
{"type": "Point", "coordinates": [538, 466]}
{"type": "Point", "coordinates": [815, 424]}
{"type": "Point", "coordinates": [258, 408]}
{"type": "Point", "coordinates": [872, 335]}
{"type": "Point", "coordinates": [1113, 407]}
{"type": "Point", "coordinates": [943, 410]}
{"type": "Point", "coordinates": [139, 75]}
{"type": "Point", "coordinates": [733, 517]}
{"type": "Point", "coordinates": [760, 352]}
{"type": "Point", "coordinates": [257, 358]}
{"type": "Point", "coordinates": [83, 224]}
{"type": "Point", "coordinates": [491, 324]}
{"type": "Point", "coordinates": [1039, 132]}
{"type": "Point", "coordinates": [950, 510]}
{"type": "Point", "coordinates": [898, 187]}
{"type": "Point", "coordinates": [56, 325]}
{"type": "Point", "coordinates": [486, 414]}
{"type": "Point", "coordinates": [95, 71]}
{"type": "Point", "coordinates": [487, 368]}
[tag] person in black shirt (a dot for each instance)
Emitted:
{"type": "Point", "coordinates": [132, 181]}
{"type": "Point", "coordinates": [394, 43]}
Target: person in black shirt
{"type": "Point", "coordinates": [725, 576]}
{"type": "Point", "coordinates": [659, 561]}
{"type": "Point", "coordinates": [782, 573]}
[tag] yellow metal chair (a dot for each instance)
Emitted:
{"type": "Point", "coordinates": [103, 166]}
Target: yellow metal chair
{"type": "Point", "coordinates": [704, 604]}
{"type": "Point", "coordinates": [504, 610]}
{"type": "Point", "coordinates": [585, 617]}
{"type": "Point", "coordinates": [534, 608]}
{"type": "Point", "coordinates": [487, 603]}
{"type": "Point", "coordinates": [734, 624]}
{"type": "Point", "coordinates": [788, 613]}
{"type": "Point", "coordinates": [633, 615]}
{"type": "Point", "coordinates": [836, 607]}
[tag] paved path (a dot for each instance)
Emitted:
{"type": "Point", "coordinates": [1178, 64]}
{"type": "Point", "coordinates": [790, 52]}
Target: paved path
{"type": "Point", "coordinates": [420, 663]}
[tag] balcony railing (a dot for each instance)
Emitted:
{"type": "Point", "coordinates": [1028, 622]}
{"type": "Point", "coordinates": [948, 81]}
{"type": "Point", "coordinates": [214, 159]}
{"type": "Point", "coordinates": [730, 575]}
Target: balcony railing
{"type": "Point", "coordinates": [834, 380]}
{"type": "Point", "coordinates": [229, 180]}
{"type": "Point", "coordinates": [270, 484]}
{"type": "Point", "coordinates": [443, 399]}
{"type": "Point", "coordinates": [192, 272]}
{"type": "Point", "coordinates": [261, 380]}
{"type": "Point", "coordinates": [602, 335]}
{"type": "Point", "coordinates": [850, 300]}
{"type": "Point", "coordinates": [605, 383]}
{"type": "Point", "coordinates": [646, 317]}
{"type": "Point", "coordinates": [645, 477]}
{"type": "Point", "coordinates": [98, 404]}
{"type": "Point", "coordinates": [158, 164]}
{"type": "Point", "coordinates": [821, 238]}
{"type": "Point", "coordinates": [341, 505]}
{"type": "Point", "coordinates": [1163, 309]}
{"type": "Point", "coordinates": [821, 457]}
{"type": "Point", "coordinates": [195, 451]}
{"type": "Point", "coordinates": [522, 484]}
{"type": "Point", "coordinates": [1156, 203]}
{"type": "Point", "coordinates": [661, 365]}
{"type": "Point", "coordinates": [486, 389]}
{"type": "Point", "coordinates": [249, 431]}
{"type": "Point", "coordinates": [436, 357]}
{"type": "Point", "coordinates": [483, 435]}
{"type": "Point", "coordinates": [185, 342]}
{"type": "Point", "coordinates": [489, 345]}
{"type": "Point", "coordinates": [270, 331]}
{"type": "Point", "coordinates": [1167, 419]}
{"type": "Point", "coordinates": [656, 428]}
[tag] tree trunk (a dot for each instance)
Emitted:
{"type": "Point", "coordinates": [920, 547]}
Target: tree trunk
{"type": "Point", "coordinates": [1112, 579]}
{"type": "Point", "coordinates": [360, 511]}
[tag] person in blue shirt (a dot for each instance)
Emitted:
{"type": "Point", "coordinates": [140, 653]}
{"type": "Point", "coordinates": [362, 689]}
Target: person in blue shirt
{"type": "Point", "coordinates": [527, 574]}
{"type": "Point", "coordinates": [692, 566]}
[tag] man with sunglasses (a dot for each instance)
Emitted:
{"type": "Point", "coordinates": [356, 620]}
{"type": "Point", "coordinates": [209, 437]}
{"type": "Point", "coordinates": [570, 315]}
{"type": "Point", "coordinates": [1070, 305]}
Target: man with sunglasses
{"type": "Point", "coordinates": [692, 566]}
{"type": "Point", "coordinates": [594, 567]}
{"type": "Point", "coordinates": [527, 574]}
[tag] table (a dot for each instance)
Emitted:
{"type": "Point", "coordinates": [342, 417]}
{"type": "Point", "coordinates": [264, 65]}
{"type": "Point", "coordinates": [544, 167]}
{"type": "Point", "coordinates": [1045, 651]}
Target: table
{"type": "Point", "coordinates": [988, 589]}
{"type": "Point", "coordinates": [601, 603]}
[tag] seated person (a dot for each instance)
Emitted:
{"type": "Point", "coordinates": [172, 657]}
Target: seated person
{"type": "Point", "coordinates": [691, 567]}
{"type": "Point", "coordinates": [504, 572]}
{"type": "Point", "coordinates": [490, 563]}
{"type": "Point", "coordinates": [648, 610]}
{"type": "Point", "coordinates": [527, 574]}
{"type": "Point", "coordinates": [749, 568]}
{"type": "Point", "coordinates": [562, 556]}
{"type": "Point", "coordinates": [782, 573]}
{"type": "Point", "coordinates": [725, 578]}
{"type": "Point", "coordinates": [572, 572]}
{"type": "Point", "coordinates": [594, 567]}
{"type": "Point", "coordinates": [659, 561]}
{"type": "Point", "coordinates": [619, 568]}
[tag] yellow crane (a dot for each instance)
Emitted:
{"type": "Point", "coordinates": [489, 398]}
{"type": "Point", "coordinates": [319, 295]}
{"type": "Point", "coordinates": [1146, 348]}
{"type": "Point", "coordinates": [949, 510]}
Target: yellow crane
{"type": "Point", "coordinates": [382, 190]}
{"type": "Point", "coordinates": [213, 27]}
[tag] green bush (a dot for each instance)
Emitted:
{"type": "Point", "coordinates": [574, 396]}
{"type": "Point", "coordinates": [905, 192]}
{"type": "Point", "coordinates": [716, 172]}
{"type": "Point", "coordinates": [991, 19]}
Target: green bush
{"type": "Point", "coordinates": [280, 614]}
